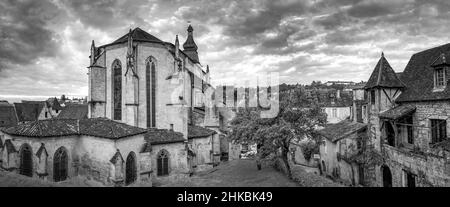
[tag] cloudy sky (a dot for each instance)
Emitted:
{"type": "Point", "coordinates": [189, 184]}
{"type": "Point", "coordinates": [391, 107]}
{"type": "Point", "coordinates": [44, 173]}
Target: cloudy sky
{"type": "Point", "coordinates": [44, 45]}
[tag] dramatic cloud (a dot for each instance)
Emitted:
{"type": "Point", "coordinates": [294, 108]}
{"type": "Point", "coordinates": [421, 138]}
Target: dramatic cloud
{"type": "Point", "coordinates": [25, 35]}
{"type": "Point", "coordinates": [44, 45]}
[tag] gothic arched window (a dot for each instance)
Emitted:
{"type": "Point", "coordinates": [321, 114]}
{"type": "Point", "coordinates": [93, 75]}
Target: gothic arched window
{"type": "Point", "coordinates": [117, 90]}
{"type": "Point", "coordinates": [162, 163]}
{"type": "Point", "coordinates": [150, 77]}
{"type": "Point", "coordinates": [131, 169]}
{"type": "Point", "coordinates": [60, 165]}
{"type": "Point", "coordinates": [26, 160]}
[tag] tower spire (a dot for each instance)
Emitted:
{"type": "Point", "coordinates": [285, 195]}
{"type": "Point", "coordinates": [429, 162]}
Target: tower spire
{"type": "Point", "coordinates": [92, 52]}
{"type": "Point", "coordinates": [190, 48]}
{"type": "Point", "coordinates": [177, 46]}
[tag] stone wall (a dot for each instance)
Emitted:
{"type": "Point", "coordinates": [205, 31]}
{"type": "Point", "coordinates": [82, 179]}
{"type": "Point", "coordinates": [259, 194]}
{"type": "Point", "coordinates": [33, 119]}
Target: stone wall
{"type": "Point", "coordinates": [202, 148]}
{"type": "Point", "coordinates": [339, 167]}
{"type": "Point", "coordinates": [428, 164]}
{"type": "Point", "coordinates": [87, 156]}
{"type": "Point", "coordinates": [178, 165]}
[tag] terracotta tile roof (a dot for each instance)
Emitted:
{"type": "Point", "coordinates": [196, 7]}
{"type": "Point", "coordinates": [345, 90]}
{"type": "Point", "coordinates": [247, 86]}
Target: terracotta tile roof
{"type": "Point", "coordinates": [107, 128]}
{"type": "Point", "coordinates": [8, 116]}
{"type": "Point", "coordinates": [98, 127]}
{"type": "Point", "coordinates": [28, 111]}
{"type": "Point", "coordinates": [383, 76]}
{"type": "Point", "coordinates": [335, 132]}
{"type": "Point", "coordinates": [198, 131]}
{"type": "Point", "coordinates": [418, 76]}
{"type": "Point", "coordinates": [163, 136]}
{"type": "Point", "coordinates": [74, 111]}
{"type": "Point", "coordinates": [398, 112]}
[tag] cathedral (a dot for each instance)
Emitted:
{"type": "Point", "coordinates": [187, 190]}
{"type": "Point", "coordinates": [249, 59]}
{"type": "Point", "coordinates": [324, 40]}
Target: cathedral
{"type": "Point", "coordinates": [145, 82]}
{"type": "Point", "coordinates": [150, 118]}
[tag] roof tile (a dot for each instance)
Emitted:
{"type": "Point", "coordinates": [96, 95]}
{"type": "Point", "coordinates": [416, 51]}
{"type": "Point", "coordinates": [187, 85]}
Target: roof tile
{"type": "Point", "coordinates": [383, 76]}
{"type": "Point", "coordinates": [335, 132]}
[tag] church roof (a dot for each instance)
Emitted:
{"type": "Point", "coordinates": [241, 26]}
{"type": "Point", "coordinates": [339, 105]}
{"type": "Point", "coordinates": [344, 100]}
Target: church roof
{"type": "Point", "coordinates": [418, 76]}
{"type": "Point", "coordinates": [138, 35]}
{"type": "Point", "coordinates": [383, 76]}
{"type": "Point", "coordinates": [163, 136]}
{"type": "Point", "coordinates": [198, 131]}
{"type": "Point", "coordinates": [74, 111]}
{"type": "Point", "coordinates": [97, 127]}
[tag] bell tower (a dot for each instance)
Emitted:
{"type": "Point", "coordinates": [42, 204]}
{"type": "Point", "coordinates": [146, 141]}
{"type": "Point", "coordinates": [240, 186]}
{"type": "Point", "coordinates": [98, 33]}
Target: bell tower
{"type": "Point", "coordinates": [190, 48]}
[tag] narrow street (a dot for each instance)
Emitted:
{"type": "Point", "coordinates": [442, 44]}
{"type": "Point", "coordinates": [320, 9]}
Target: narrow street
{"type": "Point", "coordinates": [238, 173]}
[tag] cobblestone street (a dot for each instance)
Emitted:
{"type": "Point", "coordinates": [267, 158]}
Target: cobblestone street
{"type": "Point", "coordinates": [243, 173]}
{"type": "Point", "coordinates": [237, 173]}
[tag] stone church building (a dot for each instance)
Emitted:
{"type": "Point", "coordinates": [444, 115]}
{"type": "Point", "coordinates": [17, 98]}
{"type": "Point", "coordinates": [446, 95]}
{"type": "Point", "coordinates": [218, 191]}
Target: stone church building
{"type": "Point", "coordinates": [150, 118]}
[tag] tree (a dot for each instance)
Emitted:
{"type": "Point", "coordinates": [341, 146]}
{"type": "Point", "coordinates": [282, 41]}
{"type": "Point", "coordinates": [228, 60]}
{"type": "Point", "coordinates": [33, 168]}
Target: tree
{"type": "Point", "coordinates": [297, 119]}
{"type": "Point", "coordinates": [63, 98]}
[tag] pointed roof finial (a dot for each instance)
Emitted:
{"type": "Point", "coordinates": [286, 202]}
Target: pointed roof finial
{"type": "Point", "coordinates": [382, 54]}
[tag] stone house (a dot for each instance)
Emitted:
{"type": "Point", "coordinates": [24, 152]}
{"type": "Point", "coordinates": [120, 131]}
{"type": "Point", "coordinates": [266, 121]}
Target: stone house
{"type": "Point", "coordinates": [408, 125]}
{"type": "Point", "coordinates": [204, 144]}
{"type": "Point", "coordinates": [110, 152]}
{"type": "Point", "coordinates": [33, 110]}
{"type": "Point", "coordinates": [342, 142]}
{"type": "Point", "coordinates": [337, 107]}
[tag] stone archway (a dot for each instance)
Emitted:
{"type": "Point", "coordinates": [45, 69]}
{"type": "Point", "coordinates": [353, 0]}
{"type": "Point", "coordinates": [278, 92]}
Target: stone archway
{"type": "Point", "coordinates": [387, 176]}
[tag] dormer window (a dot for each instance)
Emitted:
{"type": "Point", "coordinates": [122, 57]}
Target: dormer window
{"type": "Point", "coordinates": [439, 78]}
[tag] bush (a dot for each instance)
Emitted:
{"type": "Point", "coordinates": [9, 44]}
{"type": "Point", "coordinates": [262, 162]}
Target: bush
{"type": "Point", "coordinates": [309, 148]}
